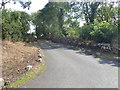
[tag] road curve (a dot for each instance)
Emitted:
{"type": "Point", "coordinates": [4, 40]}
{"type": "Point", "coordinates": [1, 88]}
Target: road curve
{"type": "Point", "coordinates": [66, 68]}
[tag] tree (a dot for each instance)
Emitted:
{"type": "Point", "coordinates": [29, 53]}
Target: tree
{"type": "Point", "coordinates": [25, 23]}
{"type": "Point", "coordinates": [103, 32]}
{"type": "Point", "coordinates": [107, 12]}
{"type": "Point", "coordinates": [89, 10]}
{"type": "Point", "coordinates": [15, 25]}
{"type": "Point", "coordinates": [84, 32]}
{"type": "Point", "coordinates": [60, 19]}
{"type": "Point", "coordinates": [85, 9]}
{"type": "Point", "coordinates": [50, 20]}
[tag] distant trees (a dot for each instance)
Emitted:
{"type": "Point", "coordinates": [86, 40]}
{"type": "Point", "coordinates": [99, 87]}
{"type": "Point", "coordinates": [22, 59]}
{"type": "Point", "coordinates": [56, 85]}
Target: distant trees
{"type": "Point", "coordinates": [62, 19]}
{"type": "Point", "coordinates": [85, 9]}
{"type": "Point", "coordinates": [49, 21]}
{"type": "Point", "coordinates": [107, 12]}
{"type": "Point", "coordinates": [15, 25]}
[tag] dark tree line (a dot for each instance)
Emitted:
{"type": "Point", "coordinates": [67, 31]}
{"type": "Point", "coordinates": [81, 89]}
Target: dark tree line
{"type": "Point", "coordinates": [62, 19]}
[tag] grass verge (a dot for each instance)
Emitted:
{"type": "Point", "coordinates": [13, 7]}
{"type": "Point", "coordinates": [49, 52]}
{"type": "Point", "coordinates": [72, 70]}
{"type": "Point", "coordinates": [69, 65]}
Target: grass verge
{"type": "Point", "coordinates": [28, 76]}
{"type": "Point", "coordinates": [108, 58]}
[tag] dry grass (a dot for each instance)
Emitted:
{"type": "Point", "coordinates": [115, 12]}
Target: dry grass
{"type": "Point", "coordinates": [15, 57]}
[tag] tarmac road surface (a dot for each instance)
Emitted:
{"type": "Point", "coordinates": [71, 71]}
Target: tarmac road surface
{"type": "Point", "coordinates": [66, 68]}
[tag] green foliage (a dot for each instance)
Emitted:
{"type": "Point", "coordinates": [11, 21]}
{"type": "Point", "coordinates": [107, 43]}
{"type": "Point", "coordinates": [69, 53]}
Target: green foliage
{"type": "Point", "coordinates": [59, 19]}
{"type": "Point", "coordinates": [11, 32]}
{"type": "Point", "coordinates": [71, 32]}
{"type": "Point", "coordinates": [99, 32]}
{"type": "Point", "coordinates": [107, 13]}
{"type": "Point", "coordinates": [49, 21]}
{"type": "Point", "coordinates": [103, 32]}
{"type": "Point", "coordinates": [25, 23]}
{"type": "Point", "coordinates": [85, 31]}
{"type": "Point", "coordinates": [86, 10]}
{"type": "Point", "coordinates": [15, 25]}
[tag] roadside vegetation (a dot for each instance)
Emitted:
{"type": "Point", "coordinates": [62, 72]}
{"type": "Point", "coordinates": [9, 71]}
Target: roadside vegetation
{"type": "Point", "coordinates": [61, 22]}
{"type": "Point", "coordinates": [19, 48]}
{"type": "Point", "coordinates": [37, 70]}
{"type": "Point", "coordinates": [62, 19]}
{"type": "Point", "coordinates": [58, 21]}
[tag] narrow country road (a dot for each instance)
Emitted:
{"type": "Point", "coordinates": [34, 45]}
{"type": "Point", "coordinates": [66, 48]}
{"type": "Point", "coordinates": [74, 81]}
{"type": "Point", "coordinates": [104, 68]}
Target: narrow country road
{"type": "Point", "coordinates": [66, 68]}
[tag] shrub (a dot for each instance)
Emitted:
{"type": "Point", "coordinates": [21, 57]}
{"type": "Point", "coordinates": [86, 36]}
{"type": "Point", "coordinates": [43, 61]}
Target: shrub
{"type": "Point", "coordinates": [103, 32]}
{"type": "Point", "coordinates": [85, 30]}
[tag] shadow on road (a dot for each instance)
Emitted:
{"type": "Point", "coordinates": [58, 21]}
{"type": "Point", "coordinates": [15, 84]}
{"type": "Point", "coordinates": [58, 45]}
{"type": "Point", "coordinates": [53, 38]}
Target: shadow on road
{"type": "Point", "coordinates": [112, 63]}
{"type": "Point", "coordinates": [51, 46]}
{"type": "Point", "coordinates": [103, 61]}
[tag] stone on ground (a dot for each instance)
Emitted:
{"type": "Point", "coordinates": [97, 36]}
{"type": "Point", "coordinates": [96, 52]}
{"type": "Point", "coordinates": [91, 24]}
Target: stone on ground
{"type": "Point", "coordinates": [1, 83]}
{"type": "Point", "coordinates": [28, 68]}
{"type": "Point", "coordinates": [39, 60]}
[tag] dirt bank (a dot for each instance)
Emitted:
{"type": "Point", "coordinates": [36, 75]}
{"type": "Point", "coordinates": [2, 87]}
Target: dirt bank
{"type": "Point", "coordinates": [15, 57]}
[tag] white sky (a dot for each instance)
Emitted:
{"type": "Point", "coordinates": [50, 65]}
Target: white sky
{"type": "Point", "coordinates": [38, 4]}
{"type": "Point", "coordinates": [35, 6]}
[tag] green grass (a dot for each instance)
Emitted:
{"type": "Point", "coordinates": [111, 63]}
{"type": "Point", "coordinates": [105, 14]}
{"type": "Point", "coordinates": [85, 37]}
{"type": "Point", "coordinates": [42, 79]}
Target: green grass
{"type": "Point", "coordinates": [28, 76]}
{"type": "Point", "coordinates": [108, 58]}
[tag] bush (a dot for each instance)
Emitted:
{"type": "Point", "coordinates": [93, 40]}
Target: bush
{"type": "Point", "coordinates": [15, 25]}
{"type": "Point", "coordinates": [11, 32]}
{"type": "Point", "coordinates": [103, 32]}
{"type": "Point", "coordinates": [85, 31]}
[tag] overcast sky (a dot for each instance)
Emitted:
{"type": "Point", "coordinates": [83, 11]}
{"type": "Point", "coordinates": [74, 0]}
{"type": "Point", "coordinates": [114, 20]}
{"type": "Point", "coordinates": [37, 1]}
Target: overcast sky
{"type": "Point", "coordinates": [35, 6]}
{"type": "Point", "coordinates": [39, 4]}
